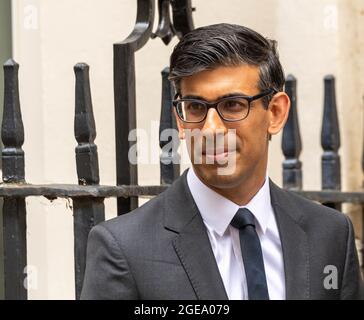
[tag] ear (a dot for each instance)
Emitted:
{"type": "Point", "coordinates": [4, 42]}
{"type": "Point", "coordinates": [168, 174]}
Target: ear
{"type": "Point", "coordinates": [181, 131]}
{"type": "Point", "coordinates": [278, 112]}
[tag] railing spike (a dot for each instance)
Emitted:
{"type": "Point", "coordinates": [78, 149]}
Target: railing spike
{"type": "Point", "coordinates": [14, 209]}
{"type": "Point", "coordinates": [87, 211]}
{"type": "Point", "coordinates": [12, 131]}
{"type": "Point", "coordinates": [330, 139]}
{"type": "Point", "coordinates": [291, 141]}
{"type": "Point", "coordinates": [169, 159]}
{"type": "Point", "coordinates": [85, 129]}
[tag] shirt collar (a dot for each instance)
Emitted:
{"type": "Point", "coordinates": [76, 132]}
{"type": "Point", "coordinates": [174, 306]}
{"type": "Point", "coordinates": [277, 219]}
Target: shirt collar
{"type": "Point", "coordinates": [218, 211]}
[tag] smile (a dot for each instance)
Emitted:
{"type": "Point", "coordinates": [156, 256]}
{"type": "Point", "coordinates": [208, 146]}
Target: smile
{"type": "Point", "coordinates": [217, 155]}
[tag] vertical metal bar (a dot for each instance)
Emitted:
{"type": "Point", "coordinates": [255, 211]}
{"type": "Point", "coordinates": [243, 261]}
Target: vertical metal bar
{"type": "Point", "coordinates": [165, 30]}
{"type": "Point", "coordinates": [168, 140]}
{"type": "Point", "coordinates": [86, 212]}
{"type": "Point", "coordinates": [291, 141]}
{"type": "Point", "coordinates": [125, 121]}
{"type": "Point", "coordinates": [2, 286]}
{"type": "Point", "coordinates": [362, 214]}
{"type": "Point", "coordinates": [330, 141]}
{"type": "Point", "coordinates": [182, 17]}
{"type": "Point", "coordinates": [362, 242]}
{"type": "Point", "coordinates": [5, 53]}
{"type": "Point", "coordinates": [125, 102]}
{"type": "Point", "coordinates": [14, 218]}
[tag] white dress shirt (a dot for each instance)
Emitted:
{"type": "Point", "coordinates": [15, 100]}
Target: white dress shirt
{"type": "Point", "coordinates": [217, 213]}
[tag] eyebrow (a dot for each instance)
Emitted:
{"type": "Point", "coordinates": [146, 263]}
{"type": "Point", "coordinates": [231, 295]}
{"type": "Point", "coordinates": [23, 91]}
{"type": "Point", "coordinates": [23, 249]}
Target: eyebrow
{"type": "Point", "coordinates": [229, 95]}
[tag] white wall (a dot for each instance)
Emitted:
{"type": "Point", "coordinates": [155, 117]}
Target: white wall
{"type": "Point", "coordinates": [315, 38]}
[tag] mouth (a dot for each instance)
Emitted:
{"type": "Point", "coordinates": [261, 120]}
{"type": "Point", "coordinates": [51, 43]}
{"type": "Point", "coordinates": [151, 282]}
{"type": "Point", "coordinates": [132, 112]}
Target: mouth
{"type": "Point", "coordinates": [217, 155]}
{"type": "Point", "coordinates": [217, 151]}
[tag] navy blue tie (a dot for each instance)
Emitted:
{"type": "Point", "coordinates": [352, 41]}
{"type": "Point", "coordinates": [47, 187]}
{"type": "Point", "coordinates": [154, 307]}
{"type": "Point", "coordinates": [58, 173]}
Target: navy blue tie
{"type": "Point", "coordinates": [252, 255]}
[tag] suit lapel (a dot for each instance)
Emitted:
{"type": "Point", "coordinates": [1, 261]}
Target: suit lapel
{"type": "Point", "coordinates": [192, 244]}
{"type": "Point", "coordinates": [194, 251]}
{"type": "Point", "coordinates": [294, 243]}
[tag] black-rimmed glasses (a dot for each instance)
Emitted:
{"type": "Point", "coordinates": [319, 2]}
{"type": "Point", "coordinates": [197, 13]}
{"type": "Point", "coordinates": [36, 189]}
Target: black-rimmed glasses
{"type": "Point", "coordinates": [234, 108]}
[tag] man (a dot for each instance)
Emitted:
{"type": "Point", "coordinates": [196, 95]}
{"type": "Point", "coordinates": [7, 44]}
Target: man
{"type": "Point", "coordinates": [223, 230]}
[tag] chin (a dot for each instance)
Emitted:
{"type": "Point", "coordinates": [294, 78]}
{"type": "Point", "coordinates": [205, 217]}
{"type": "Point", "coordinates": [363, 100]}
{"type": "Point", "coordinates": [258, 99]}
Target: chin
{"type": "Point", "coordinates": [211, 176]}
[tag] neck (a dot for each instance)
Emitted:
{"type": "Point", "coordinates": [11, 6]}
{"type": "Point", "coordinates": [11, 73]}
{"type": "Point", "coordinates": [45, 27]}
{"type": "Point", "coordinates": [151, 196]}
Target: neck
{"type": "Point", "coordinates": [244, 191]}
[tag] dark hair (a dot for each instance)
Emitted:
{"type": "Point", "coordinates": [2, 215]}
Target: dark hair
{"type": "Point", "coordinates": [227, 44]}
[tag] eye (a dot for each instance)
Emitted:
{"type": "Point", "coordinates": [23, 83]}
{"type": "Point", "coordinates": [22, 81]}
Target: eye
{"type": "Point", "coordinates": [236, 104]}
{"type": "Point", "coordinates": [194, 106]}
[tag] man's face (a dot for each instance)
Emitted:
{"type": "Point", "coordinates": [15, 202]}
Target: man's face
{"type": "Point", "coordinates": [248, 155]}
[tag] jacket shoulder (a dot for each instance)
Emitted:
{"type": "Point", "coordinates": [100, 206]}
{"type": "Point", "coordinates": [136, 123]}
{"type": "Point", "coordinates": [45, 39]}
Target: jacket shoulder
{"type": "Point", "coordinates": [145, 217]}
{"type": "Point", "coordinates": [314, 213]}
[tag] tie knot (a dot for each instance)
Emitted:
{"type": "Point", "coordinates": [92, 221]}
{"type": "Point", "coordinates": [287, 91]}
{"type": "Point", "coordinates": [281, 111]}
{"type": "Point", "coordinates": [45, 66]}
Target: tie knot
{"type": "Point", "coordinates": [243, 218]}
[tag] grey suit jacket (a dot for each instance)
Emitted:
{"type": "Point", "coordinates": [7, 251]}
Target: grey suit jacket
{"type": "Point", "coordinates": [162, 251]}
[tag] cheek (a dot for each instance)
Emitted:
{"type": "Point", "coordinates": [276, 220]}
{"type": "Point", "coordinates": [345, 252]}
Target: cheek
{"type": "Point", "coordinates": [252, 141]}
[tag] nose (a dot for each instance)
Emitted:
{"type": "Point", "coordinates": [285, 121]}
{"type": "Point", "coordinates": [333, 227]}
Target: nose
{"type": "Point", "coordinates": [214, 123]}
